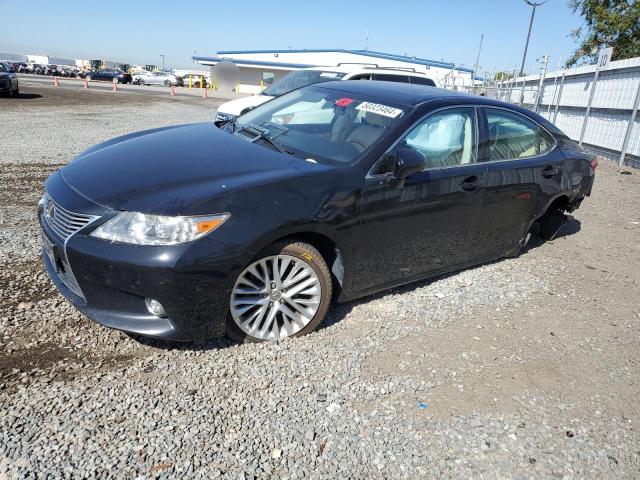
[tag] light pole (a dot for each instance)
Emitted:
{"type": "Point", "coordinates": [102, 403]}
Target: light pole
{"type": "Point", "coordinates": [526, 45]}
{"type": "Point", "coordinates": [162, 62]}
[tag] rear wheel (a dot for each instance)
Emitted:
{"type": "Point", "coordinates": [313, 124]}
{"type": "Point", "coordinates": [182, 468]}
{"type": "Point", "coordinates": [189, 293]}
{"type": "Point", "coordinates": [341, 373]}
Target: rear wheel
{"type": "Point", "coordinates": [285, 292]}
{"type": "Point", "coordinates": [167, 83]}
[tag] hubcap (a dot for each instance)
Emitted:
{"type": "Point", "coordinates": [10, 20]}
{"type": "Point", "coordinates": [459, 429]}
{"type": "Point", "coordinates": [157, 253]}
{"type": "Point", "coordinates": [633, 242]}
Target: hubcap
{"type": "Point", "coordinates": [275, 297]}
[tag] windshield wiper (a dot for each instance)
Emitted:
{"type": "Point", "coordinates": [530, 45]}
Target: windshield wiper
{"type": "Point", "coordinates": [263, 134]}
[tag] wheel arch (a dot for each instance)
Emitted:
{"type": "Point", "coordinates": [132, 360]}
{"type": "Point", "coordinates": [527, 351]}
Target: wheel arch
{"type": "Point", "coordinates": [331, 250]}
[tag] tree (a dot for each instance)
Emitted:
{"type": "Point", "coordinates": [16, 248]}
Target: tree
{"type": "Point", "coordinates": [607, 23]}
{"type": "Point", "coordinates": [502, 76]}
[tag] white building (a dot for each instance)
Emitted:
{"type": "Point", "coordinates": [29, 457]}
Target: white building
{"type": "Point", "coordinates": [259, 68]}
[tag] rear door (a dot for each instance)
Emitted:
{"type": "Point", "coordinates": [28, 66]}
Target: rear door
{"type": "Point", "coordinates": [524, 173]}
{"type": "Point", "coordinates": [427, 225]}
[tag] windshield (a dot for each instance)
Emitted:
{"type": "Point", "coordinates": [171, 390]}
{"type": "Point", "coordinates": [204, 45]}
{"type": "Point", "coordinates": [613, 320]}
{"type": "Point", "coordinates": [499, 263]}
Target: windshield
{"type": "Point", "coordinates": [319, 124]}
{"type": "Point", "coordinates": [300, 78]}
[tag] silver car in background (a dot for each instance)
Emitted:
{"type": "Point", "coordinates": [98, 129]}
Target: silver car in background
{"type": "Point", "coordinates": [157, 78]}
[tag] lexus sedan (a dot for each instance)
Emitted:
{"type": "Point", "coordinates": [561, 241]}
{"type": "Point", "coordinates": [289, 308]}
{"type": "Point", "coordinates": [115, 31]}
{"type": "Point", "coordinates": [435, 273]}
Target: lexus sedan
{"type": "Point", "coordinates": [328, 193]}
{"type": "Point", "coordinates": [8, 80]}
{"type": "Point", "coordinates": [109, 74]}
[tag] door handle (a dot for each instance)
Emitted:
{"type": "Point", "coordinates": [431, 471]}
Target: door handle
{"type": "Point", "coordinates": [471, 184]}
{"type": "Point", "coordinates": [550, 171]}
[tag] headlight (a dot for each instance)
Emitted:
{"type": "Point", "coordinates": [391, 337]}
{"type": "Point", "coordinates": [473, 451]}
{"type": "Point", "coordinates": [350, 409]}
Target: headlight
{"type": "Point", "coordinates": [142, 229]}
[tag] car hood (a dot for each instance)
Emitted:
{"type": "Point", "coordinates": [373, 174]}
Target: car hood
{"type": "Point", "coordinates": [177, 170]}
{"type": "Point", "coordinates": [237, 106]}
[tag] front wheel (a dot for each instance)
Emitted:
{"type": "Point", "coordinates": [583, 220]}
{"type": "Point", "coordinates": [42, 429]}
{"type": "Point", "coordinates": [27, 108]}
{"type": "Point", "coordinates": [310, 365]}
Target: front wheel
{"type": "Point", "coordinates": [285, 292]}
{"type": "Point", "coordinates": [167, 83]}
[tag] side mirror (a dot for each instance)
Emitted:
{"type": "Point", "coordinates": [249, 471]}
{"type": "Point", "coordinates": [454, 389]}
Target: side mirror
{"type": "Point", "coordinates": [408, 162]}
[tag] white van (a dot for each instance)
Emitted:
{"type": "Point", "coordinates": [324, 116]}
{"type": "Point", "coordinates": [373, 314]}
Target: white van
{"type": "Point", "coordinates": [301, 78]}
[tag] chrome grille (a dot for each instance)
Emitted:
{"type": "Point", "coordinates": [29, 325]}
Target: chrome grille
{"type": "Point", "coordinates": [62, 221]}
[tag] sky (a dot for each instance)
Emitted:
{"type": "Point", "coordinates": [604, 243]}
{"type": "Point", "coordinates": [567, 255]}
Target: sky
{"type": "Point", "coordinates": [139, 31]}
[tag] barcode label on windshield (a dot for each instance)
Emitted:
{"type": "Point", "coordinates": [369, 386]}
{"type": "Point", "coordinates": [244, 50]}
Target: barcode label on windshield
{"type": "Point", "coordinates": [383, 110]}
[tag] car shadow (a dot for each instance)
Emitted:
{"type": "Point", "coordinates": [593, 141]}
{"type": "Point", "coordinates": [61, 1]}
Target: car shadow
{"type": "Point", "coordinates": [340, 311]}
{"type": "Point", "coordinates": [570, 227]}
{"type": "Point", "coordinates": [27, 96]}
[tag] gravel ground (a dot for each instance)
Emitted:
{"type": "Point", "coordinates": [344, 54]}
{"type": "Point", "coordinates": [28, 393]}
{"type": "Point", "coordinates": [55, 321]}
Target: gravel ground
{"type": "Point", "coordinates": [524, 368]}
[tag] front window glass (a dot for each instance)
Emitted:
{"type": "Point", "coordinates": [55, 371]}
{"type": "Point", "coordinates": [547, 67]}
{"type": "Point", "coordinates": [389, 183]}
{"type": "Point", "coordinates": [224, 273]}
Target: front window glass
{"type": "Point", "coordinates": [445, 138]}
{"type": "Point", "coordinates": [3, 68]}
{"type": "Point", "coordinates": [301, 78]}
{"type": "Point", "coordinates": [320, 124]}
{"type": "Point", "coordinates": [511, 136]}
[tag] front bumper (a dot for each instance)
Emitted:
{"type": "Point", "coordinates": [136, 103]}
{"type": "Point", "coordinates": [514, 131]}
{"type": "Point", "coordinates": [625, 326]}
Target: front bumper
{"type": "Point", "coordinates": [192, 281]}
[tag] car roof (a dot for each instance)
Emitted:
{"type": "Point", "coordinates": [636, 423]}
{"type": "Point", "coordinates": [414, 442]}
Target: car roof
{"type": "Point", "coordinates": [409, 94]}
{"type": "Point", "coordinates": [412, 95]}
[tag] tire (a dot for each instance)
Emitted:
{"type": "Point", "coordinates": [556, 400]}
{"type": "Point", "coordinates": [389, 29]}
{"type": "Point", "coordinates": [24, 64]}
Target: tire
{"type": "Point", "coordinates": [275, 309]}
{"type": "Point", "coordinates": [141, 82]}
{"type": "Point", "coordinates": [167, 83]}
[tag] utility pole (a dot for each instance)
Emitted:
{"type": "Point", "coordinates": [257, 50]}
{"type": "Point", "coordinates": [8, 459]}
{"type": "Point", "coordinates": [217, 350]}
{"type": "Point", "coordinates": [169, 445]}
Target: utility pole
{"type": "Point", "coordinates": [526, 45]}
{"type": "Point", "coordinates": [162, 62]}
{"type": "Point", "coordinates": [475, 67]}
{"type": "Point", "coordinates": [366, 39]}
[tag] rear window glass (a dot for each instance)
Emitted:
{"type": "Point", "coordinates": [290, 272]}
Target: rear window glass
{"type": "Point", "coordinates": [422, 81]}
{"type": "Point", "coordinates": [512, 136]}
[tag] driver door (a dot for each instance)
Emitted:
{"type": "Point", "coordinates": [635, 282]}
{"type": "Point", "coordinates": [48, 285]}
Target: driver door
{"type": "Point", "coordinates": [425, 225]}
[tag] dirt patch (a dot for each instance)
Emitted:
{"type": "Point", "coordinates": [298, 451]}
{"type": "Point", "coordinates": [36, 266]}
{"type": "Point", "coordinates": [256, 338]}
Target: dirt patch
{"type": "Point", "coordinates": [46, 96]}
{"type": "Point", "coordinates": [22, 185]}
{"type": "Point", "coordinates": [57, 363]}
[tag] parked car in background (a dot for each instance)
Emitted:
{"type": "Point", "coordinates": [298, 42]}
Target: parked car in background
{"type": "Point", "coordinates": [197, 81]}
{"type": "Point", "coordinates": [308, 76]}
{"type": "Point", "coordinates": [157, 78]}
{"type": "Point", "coordinates": [8, 80]}
{"type": "Point", "coordinates": [109, 74]}
{"type": "Point", "coordinates": [190, 232]}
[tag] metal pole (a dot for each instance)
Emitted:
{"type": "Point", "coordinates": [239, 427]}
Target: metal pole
{"type": "Point", "coordinates": [526, 45]}
{"type": "Point", "coordinates": [475, 66]}
{"type": "Point", "coordinates": [543, 74]}
{"type": "Point", "coordinates": [586, 114]}
{"type": "Point", "coordinates": [627, 135]}
{"type": "Point", "coordinates": [162, 61]}
{"type": "Point", "coordinates": [522, 92]}
{"type": "Point", "coordinates": [555, 90]}
{"type": "Point", "coordinates": [555, 112]}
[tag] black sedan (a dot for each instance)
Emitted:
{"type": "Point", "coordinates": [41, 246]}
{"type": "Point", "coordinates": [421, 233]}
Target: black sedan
{"type": "Point", "coordinates": [109, 74]}
{"type": "Point", "coordinates": [8, 80]}
{"type": "Point", "coordinates": [329, 192]}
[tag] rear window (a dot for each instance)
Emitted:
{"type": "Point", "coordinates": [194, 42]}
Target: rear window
{"type": "Point", "coordinates": [391, 78]}
{"type": "Point", "coordinates": [423, 81]}
{"type": "Point", "coordinates": [512, 136]}
{"type": "Point", "coordinates": [301, 78]}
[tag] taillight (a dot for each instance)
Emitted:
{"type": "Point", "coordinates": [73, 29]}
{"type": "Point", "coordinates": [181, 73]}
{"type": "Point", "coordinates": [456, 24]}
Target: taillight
{"type": "Point", "coordinates": [594, 164]}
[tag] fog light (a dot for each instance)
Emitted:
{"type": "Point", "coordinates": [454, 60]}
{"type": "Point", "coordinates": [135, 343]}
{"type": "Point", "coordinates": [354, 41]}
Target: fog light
{"type": "Point", "coordinates": [154, 307]}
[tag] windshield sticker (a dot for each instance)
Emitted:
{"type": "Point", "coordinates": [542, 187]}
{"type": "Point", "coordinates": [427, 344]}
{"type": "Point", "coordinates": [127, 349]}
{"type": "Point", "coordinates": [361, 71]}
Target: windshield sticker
{"type": "Point", "coordinates": [343, 102]}
{"type": "Point", "coordinates": [383, 110]}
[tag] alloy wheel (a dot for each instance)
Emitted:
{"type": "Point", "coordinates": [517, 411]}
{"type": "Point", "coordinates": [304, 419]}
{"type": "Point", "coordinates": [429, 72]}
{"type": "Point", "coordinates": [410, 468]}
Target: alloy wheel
{"type": "Point", "coordinates": [275, 297]}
